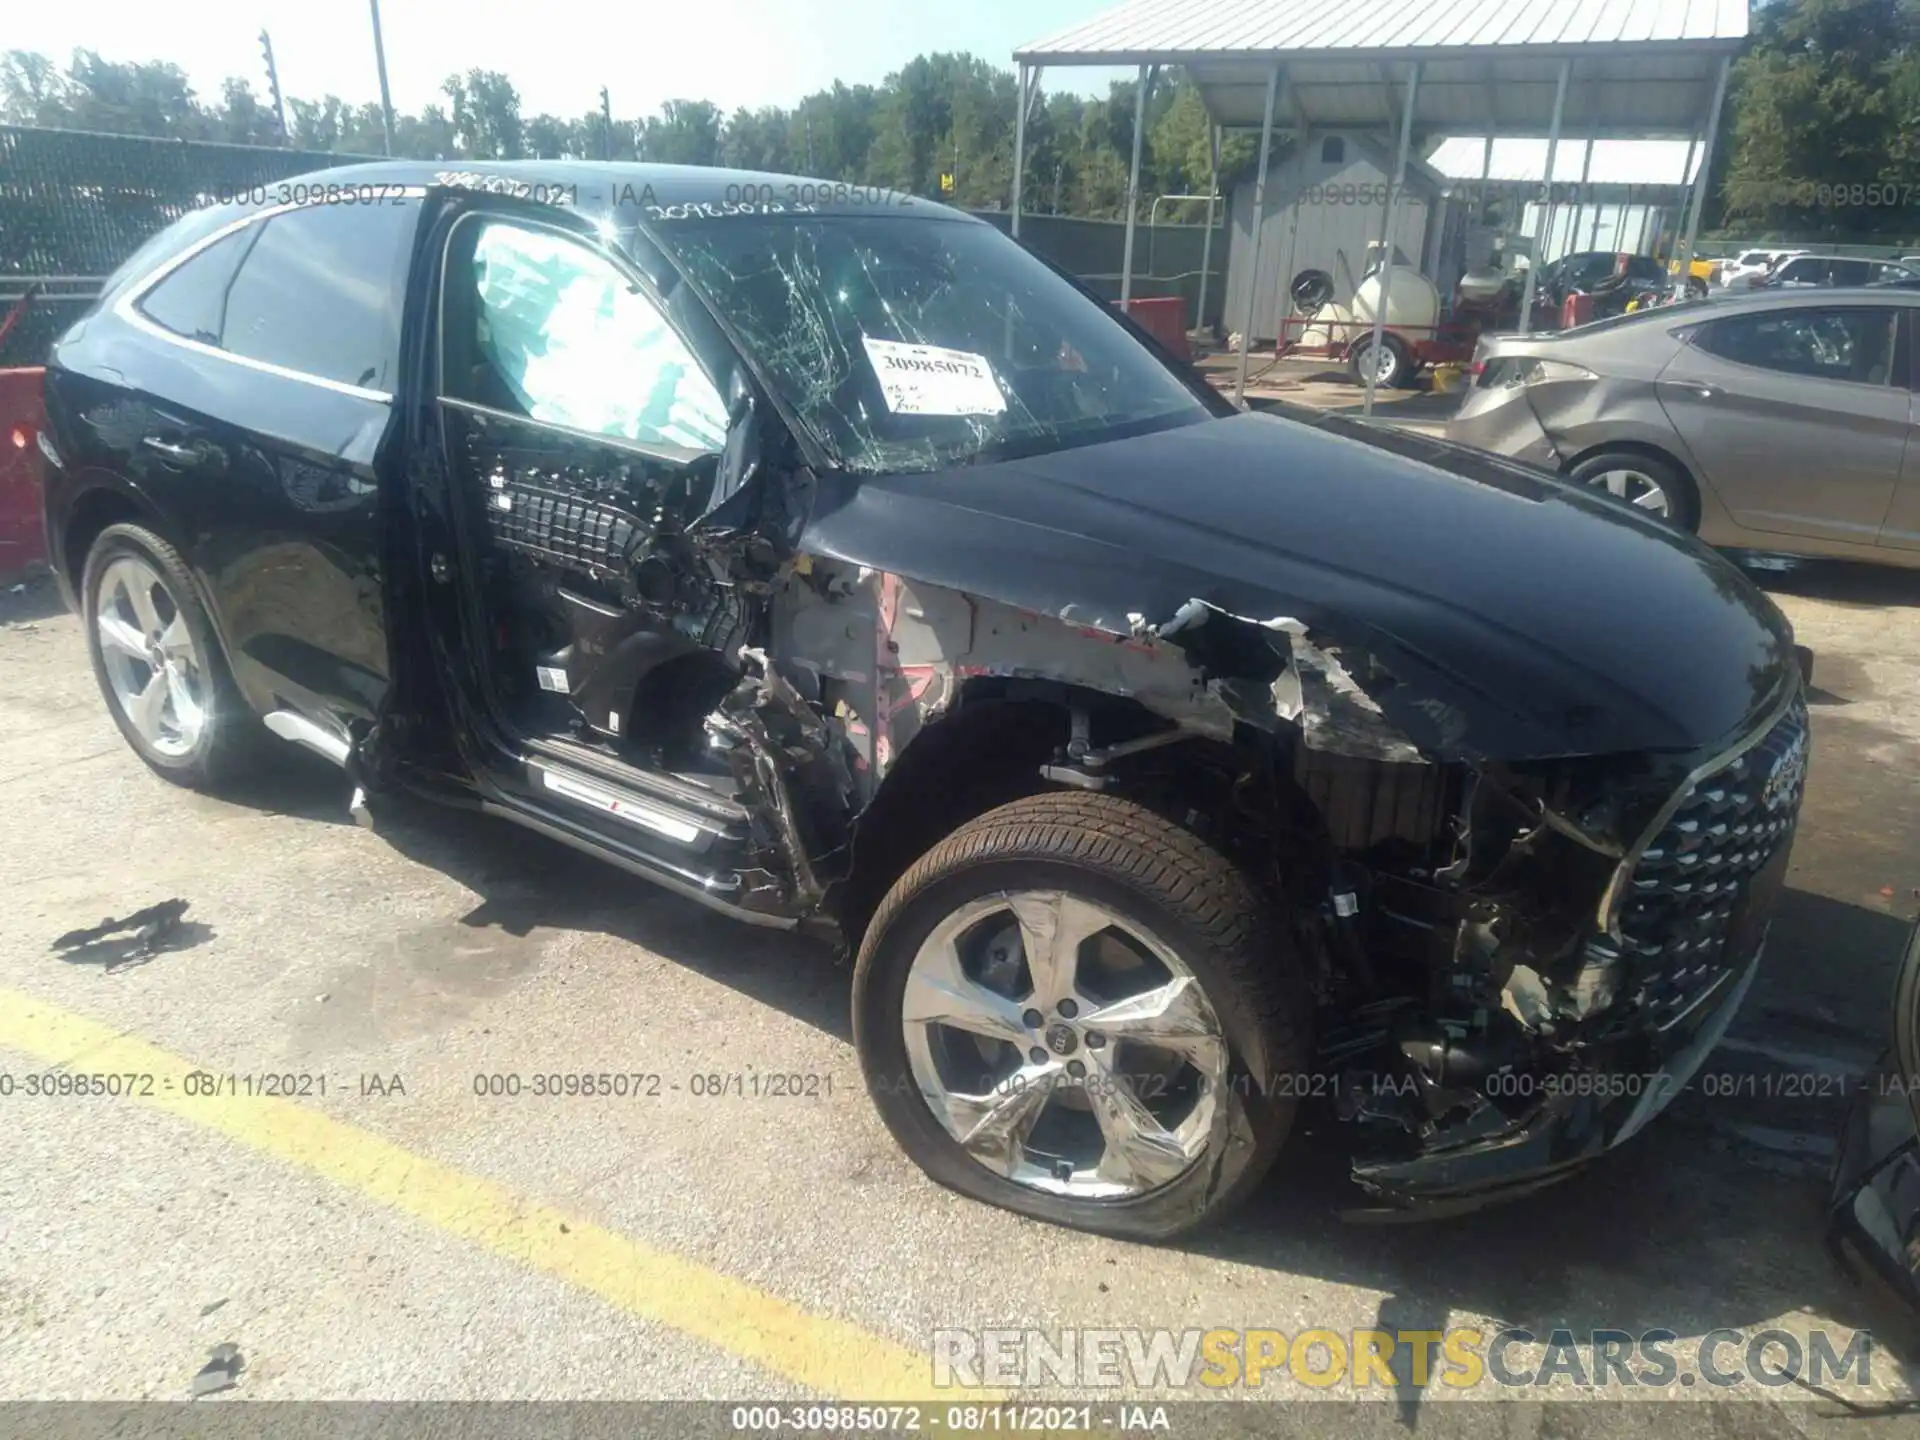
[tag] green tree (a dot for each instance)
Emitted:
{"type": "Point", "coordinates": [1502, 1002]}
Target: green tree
{"type": "Point", "coordinates": [548, 137]}
{"type": "Point", "coordinates": [757, 140]}
{"type": "Point", "coordinates": [938, 114]}
{"type": "Point", "coordinates": [243, 119]}
{"type": "Point", "coordinates": [426, 136]}
{"type": "Point", "coordinates": [33, 90]}
{"type": "Point", "coordinates": [1825, 102]}
{"type": "Point", "coordinates": [486, 115]}
{"type": "Point", "coordinates": [153, 98]}
{"type": "Point", "coordinates": [685, 132]}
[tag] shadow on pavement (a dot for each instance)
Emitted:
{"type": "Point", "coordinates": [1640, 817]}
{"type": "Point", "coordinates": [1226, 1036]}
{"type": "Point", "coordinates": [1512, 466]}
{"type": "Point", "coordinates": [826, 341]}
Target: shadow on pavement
{"type": "Point", "coordinates": [1842, 582]}
{"type": "Point", "coordinates": [26, 600]}
{"type": "Point", "coordinates": [527, 880]}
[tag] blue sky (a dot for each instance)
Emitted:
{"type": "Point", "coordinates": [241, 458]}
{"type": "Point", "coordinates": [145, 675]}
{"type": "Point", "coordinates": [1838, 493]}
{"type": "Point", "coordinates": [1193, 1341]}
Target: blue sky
{"type": "Point", "coordinates": [557, 52]}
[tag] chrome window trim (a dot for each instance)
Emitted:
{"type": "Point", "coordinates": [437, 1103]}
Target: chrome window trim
{"type": "Point", "coordinates": [127, 307]}
{"type": "Point", "coordinates": [1615, 895]}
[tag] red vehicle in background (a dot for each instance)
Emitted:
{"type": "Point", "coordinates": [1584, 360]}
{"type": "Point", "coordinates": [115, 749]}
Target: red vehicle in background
{"type": "Point", "coordinates": [22, 534]}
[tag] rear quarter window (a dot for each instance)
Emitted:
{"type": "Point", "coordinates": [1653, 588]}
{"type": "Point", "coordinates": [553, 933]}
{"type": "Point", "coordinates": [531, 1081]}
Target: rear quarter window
{"type": "Point", "coordinates": [321, 291]}
{"type": "Point", "coordinates": [191, 299]}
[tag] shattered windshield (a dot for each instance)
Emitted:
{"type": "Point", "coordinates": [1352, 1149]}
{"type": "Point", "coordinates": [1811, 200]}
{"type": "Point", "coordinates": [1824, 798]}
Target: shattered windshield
{"type": "Point", "coordinates": [909, 344]}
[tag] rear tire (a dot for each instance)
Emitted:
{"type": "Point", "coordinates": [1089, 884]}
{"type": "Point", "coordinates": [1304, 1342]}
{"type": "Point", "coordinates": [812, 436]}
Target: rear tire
{"type": "Point", "coordinates": [159, 664]}
{"type": "Point", "coordinates": [1636, 473]}
{"type": "Point", "coordinates": [1166, 905]}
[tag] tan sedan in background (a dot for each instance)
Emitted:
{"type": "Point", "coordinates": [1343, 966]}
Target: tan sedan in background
{"type": "Point", "coordinates": [1777, 421]}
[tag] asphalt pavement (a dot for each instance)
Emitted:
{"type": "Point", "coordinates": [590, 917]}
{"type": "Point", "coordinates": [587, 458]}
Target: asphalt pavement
{"type": "Point", "coordinates": [392, 1223]}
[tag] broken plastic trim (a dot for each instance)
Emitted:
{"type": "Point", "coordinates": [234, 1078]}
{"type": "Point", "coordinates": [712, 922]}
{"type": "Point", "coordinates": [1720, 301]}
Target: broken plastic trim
{"type": "Point", "coordinates": [743, 724]}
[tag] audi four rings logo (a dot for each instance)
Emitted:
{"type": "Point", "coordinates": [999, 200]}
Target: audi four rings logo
{"type": "Point", "coordinates": [1788, 771]}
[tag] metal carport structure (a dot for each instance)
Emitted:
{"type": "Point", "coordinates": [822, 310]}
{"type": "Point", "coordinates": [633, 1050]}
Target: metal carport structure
{"type": "Point", "coordinates": [1643, 69]}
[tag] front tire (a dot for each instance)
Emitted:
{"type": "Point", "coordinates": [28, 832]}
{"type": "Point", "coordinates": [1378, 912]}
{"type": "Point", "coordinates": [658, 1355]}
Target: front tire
{"type": "Point", "coordinates": [158, 662]}
{"type": "Point", "coordinates": [1074, 1009]}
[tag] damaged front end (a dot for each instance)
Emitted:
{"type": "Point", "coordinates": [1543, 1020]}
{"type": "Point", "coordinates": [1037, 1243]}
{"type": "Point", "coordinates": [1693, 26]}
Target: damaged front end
{"type": "Point", "coordinates": [1521, 963]}
{"type": "Point", "coordinates": [1530, 855]}
{"type": "Point", "coordinates": [1517, 964]}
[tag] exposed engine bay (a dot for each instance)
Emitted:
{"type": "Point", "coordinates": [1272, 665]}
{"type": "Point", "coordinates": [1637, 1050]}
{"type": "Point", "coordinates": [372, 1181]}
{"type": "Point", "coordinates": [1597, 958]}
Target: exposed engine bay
{"type": "Point", "coordinates": [1486, 939]}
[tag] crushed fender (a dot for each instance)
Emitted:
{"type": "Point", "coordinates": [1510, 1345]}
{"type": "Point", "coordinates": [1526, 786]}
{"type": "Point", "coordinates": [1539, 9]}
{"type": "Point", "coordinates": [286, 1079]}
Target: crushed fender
{"type": "Point", "coordinates": [1311, 687]}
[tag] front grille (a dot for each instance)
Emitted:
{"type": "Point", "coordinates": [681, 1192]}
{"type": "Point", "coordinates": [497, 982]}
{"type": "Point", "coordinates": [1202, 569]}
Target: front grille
{"type": "Point", "coordinates": [1688, 886]}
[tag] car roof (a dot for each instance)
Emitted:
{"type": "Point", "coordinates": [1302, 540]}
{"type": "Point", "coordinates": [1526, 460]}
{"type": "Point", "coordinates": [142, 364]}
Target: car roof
{"type": "Point", "coordinates": [1715, 306]}
{"type": "Point", "coordinates": [646, 192]}
{"type": "Point", "coordinates": [1813, 297]}
{"type": "Point", "coordinates": [1823, 255]}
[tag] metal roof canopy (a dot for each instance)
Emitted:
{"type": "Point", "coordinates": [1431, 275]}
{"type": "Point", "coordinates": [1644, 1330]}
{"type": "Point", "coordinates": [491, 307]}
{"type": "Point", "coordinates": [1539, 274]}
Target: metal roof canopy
{"type": "Point", "coordinates": [1643, 69]}
{"type": "Point", "coordinates": [1598, 68]}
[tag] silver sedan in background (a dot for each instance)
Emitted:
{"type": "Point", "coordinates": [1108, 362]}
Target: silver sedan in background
{"type": "Point", "coordinates": [1775, 421]}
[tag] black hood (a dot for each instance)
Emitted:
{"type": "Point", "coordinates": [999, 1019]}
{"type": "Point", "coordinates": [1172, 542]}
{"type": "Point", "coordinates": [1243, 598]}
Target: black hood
{"type": "Point", "coordinates": [1521, 618]}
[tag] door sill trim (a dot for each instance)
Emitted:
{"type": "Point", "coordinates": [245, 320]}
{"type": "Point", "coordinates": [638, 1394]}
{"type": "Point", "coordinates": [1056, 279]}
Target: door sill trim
{"type": "Point", "coordinates": [667, 790]}
{"type": "Point", "coordinates": [639, 809]}
{"type": "Point", "coordinates": [712, 891]}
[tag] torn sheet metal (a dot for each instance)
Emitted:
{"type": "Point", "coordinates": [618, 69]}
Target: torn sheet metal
{"type": "Point", "coordinates": [1314, 691]}
{"type": "Point", "coordinates": [889, 654]}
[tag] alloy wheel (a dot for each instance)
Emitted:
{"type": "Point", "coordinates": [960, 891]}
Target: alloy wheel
{"type": "Point", "coordinates": [1638, 489]}
{"type": "Point", "coordinates": [156, 671]}
{"type": "Point", "coordinates": [1062, 1046]}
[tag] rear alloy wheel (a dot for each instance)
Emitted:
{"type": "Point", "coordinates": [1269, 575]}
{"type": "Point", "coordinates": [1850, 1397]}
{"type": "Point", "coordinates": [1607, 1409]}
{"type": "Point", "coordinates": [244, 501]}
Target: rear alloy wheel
{"type": "Point", "coordinates": [1075, 1009]}
{"type": "Point", "coordinates": [156, 660]}
{"type": "Point", "coordinates": [1392, 364]}
{"type": "Point", "coordinates": [1644, 482]}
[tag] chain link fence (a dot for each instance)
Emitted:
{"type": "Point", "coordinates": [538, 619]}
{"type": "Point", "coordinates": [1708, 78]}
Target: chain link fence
{"type": "Point", "coordinates": [1166, 257]}
{"type": "Point", "coordinates": [74, 205]}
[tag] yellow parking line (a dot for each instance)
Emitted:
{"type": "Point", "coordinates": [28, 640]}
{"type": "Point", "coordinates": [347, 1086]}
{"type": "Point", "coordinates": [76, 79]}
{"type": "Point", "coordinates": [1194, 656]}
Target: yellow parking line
{"type": "Point", "coordinates": [826, 1355]}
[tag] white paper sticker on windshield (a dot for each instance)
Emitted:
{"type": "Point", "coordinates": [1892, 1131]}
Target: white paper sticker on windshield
{"type": "Point", "coordinates": [927, 380]}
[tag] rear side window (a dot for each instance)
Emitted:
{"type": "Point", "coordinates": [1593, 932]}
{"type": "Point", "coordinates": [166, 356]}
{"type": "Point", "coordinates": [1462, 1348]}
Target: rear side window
{"type": "Point", "coordinates": [192, 300]}
{"type": "Point", "coordinates": [1851, 272]}
{"type": "Point", "coordinates": [320, 293]}
{"type": "Point", "coordinates": [1854, 345]}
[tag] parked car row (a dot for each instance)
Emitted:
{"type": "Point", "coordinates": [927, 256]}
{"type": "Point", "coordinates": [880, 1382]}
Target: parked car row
{"type": "Point", "coordinates": [1789, 269]}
